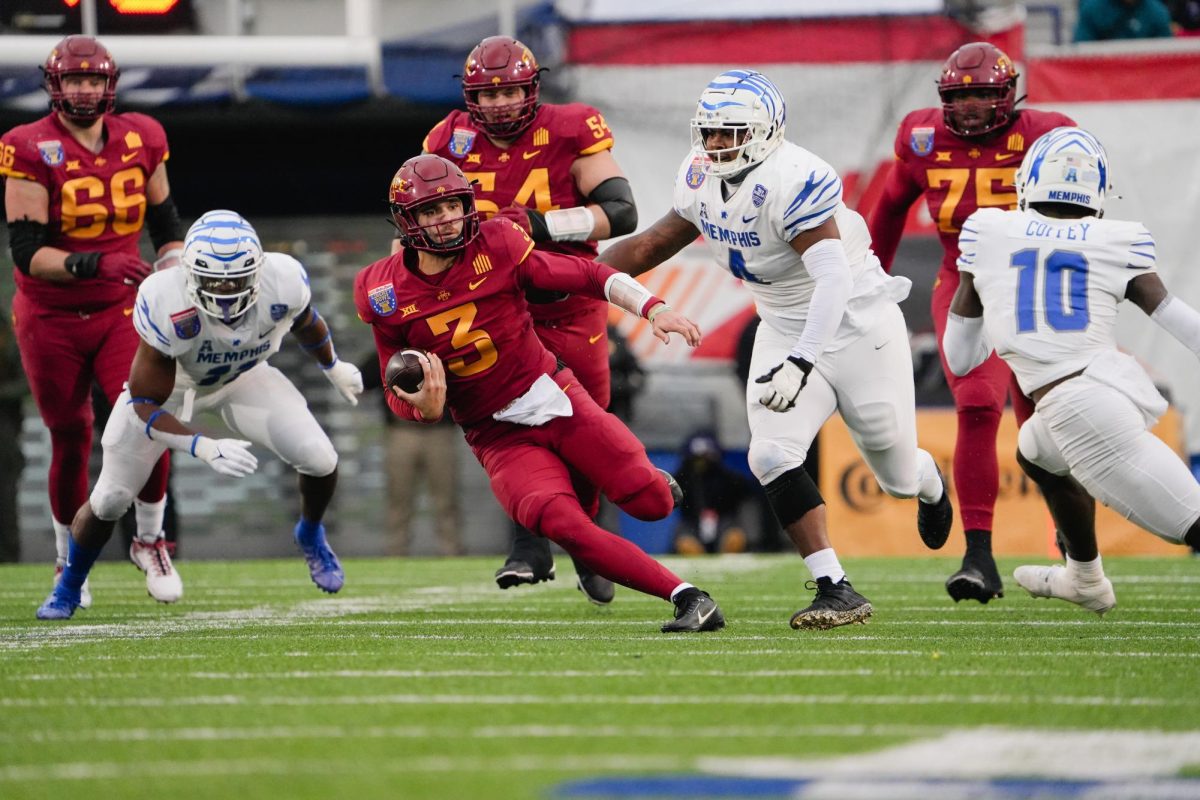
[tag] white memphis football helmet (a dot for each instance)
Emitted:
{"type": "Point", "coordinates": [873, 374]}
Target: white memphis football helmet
{"type": "Point", "coordinates": [743, 100]}
{"type": "Point", "coordinates": [222, 257]}
{"type": "Point", "coordinates": [1064, 165]}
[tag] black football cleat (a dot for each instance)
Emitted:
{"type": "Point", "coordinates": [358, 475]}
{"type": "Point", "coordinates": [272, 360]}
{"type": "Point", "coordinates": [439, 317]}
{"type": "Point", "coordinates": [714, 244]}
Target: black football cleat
{"type": "Point", "coordinates": [935, 519]}
{"type": "Point", "coordinates": [598, 589]}
{"type": "Point", "coordinates": [516, 573]}
{"type": "Point", "coordinates": [977, 580]}
{"type": "Point", "coordinates": [695, 612]}
{"type": "Point", "coordinates": [836, 604]}
{"type": "Point", "coordinates": [676, 489]}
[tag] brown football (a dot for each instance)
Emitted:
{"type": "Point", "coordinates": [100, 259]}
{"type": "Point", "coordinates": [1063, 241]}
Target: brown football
{"type": "Point", "coordinates": [404, 371]}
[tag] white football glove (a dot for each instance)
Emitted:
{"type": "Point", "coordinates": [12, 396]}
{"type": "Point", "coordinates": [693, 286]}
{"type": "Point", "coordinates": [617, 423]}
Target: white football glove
{"type": "Point", "coordinates": [784, 383]}
{"type": "Point", "coordinates": [230, 457]}
{"type": "Point", "coordinates": [171, 258]}
{"type": "Point", "coordinates": [346, 378]}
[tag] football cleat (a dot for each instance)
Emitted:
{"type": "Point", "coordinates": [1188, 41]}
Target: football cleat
{"type": "Point", "coordinates": [835, 604]}
{"type": "Point", "coordinates": [515, 573]}
{"type": "Point", "coordinates": [977, 580]}
{"type": "Point", "coordinates": [162, 581]}
{"type": "Point", "coordinates": [1057, 581]}
{"type": "Point", "coordinates": [598, 589]}
{"type": "Point", "coordinates": [676, 489]}
{"type": "Point", "coordinates": [85, 593]}
{"type": "Point", "coordinates": [935, 519]}
{"type": "Point", "coordinates": [323, 565]}
{"type": "Point", "coordinates": [59, 605]}
{"type": "Point", "coordinates": [695, 612]}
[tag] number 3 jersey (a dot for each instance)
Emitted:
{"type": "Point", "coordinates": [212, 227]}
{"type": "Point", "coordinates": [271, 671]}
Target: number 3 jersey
{"type": "Point", "coordinates": [97, 201]}
{"type": "Point", "coordinates": [750, 235]}
{"type": "Point", "coordinates": [1050, 287]}
{"type": "Point", "coordinates": [208, 353]}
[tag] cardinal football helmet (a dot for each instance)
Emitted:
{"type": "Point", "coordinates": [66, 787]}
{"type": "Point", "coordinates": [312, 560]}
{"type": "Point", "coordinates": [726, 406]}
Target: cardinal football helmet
{"type": "Point", "coordinates": [80, 55]}
{"type": "Point", "coordinates": [752, 106]}
{"type": "Point", "coordinates": [425, 179]}
{"type": "Point", "coordinates": [1065, 165]}
{"type": "Point", "coordinates": [495, 62]}
{"type": "Point", "coordinates": [222, 259]}
{"type": "Point", "coordinates": [971, 67]}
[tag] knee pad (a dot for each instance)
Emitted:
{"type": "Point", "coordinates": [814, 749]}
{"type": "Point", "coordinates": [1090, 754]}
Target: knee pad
{"type": "Point", "coordinates": [974, 396]}
{"type": "Point", "coordinates": [110, 501]}
{"type": "Point", "coordinates": [768, 460]}
{"type": "Point", "coordinates": [1034, 442]}
{"type": "Point", "coordinates": [555, 516]}
{"type": "Point", "coordinates": [317, 458]}
{"type": "Point", "coordinates": [792, 495]}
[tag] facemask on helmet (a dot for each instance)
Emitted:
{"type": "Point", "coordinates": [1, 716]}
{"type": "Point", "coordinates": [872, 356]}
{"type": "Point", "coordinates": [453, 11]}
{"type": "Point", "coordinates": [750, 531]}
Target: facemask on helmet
{"type": "Point", "coordinates": [80, 55]}
{"type": "Point", "coordinates": [982, 69]}
{"type": "Point", "coordinates": [498, 62]}
{"type": "Point", "coordinates": [427, 179]}
{"type": "Point", "coordinates": [748, 105]}
{"type": "Point", "coordinates": [222, 257]}
{"type": "Point", "coordinates": [1065, 165]}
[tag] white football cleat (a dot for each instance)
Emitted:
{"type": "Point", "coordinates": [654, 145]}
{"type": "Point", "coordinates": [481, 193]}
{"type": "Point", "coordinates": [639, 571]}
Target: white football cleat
{"type": "Point", "coordinates": [162, 581]}
{"type": "Point", "coordinates": [85, 591]}
{"type": "Point", "coordinates": [1056, 581]}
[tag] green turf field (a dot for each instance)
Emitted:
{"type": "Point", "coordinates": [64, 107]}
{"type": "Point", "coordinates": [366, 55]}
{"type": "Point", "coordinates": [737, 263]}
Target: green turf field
{"type": "Point", "coordinates": [422, 680]}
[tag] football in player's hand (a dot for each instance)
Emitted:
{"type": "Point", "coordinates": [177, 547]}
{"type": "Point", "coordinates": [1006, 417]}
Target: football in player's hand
{"type": "Point", "coordinates": [404, 371]}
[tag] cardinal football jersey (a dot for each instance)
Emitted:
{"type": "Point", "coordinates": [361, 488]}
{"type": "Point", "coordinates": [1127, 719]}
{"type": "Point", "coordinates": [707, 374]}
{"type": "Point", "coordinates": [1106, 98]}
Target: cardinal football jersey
{"type": "Point", "coordinates": [750, 235]}
{"type": "Point", "coordinates": [1050, 287]}
{"type": "Point", "coordinates": [208, 353]}
{"type": "Point", "coordinates": [97, 200]}
{"type": "Point", "coordinates": [474, 314]}
{"type": "Point", "coordinates": [956, 176]}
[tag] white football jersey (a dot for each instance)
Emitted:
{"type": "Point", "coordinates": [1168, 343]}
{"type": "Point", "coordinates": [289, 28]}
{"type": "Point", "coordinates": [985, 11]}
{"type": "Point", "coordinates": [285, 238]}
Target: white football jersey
{"type": "Point", "coordinates": [749, 234]}
{"type": "Point", "coordinates": [208, 353]}
{"type": "Point", "coordinates": [1050, 287]}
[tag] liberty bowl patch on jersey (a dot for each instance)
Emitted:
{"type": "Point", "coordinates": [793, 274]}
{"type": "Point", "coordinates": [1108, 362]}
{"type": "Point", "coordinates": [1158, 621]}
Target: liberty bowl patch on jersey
{"type": "Point", "coordinates": [695, 173]}
{"type": "Point", "coordinates": [278, 311]}
{"type": "Point", "coordinates": [383, 299]}
{"type": "Point", "coordinates": [52, 152]}
{"type": "Point", "coordinates": [461, 141]}
{"type": "Point", "coordinates": [187, 323]}
{"type": "Point", "coordinates": [921, 141]}
{"type": "Point", "coordinates": [760, 195]}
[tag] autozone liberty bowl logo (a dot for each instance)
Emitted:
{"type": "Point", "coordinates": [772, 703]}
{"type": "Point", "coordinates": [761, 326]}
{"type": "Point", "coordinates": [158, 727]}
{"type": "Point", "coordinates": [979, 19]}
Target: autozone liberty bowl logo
{"type": "Point", "coordinates": [862, 494]}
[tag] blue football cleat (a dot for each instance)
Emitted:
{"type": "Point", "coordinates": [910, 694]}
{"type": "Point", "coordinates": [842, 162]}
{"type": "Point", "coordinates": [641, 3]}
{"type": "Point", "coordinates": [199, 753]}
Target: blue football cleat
{"type": "Point", "coordinates": [323, 565]}
{"type": "Point", "coordinates": [58, 606]}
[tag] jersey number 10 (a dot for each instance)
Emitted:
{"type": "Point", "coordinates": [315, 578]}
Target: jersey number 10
{"type": "Point", "coordinates": [1064, 290]}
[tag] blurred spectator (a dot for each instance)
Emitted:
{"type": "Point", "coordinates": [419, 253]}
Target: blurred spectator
{"type": "Point", "coordinates": [713, 495]}
{"type": "Point", "coordinates": [12, 393]}
{"type": "Point", "coordinates": [1185, 17]}
{"type": "Point", "coordinates": [1101, 20]}
{"type": "Point", "coordinates": [415, 454]}
{"type": "Point", "coordinates": [626, 376]}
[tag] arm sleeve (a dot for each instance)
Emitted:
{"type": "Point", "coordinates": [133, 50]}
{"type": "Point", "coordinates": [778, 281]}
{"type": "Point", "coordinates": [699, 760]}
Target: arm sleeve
{"type": "Point", "coordinates": [1180, 320]}
{"type": "Point", "coordinates": [965, 343]}
{"type": "Point", "coordinates": [891, 212]}
{"type": "Point", "coordinates": [826, 263]}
